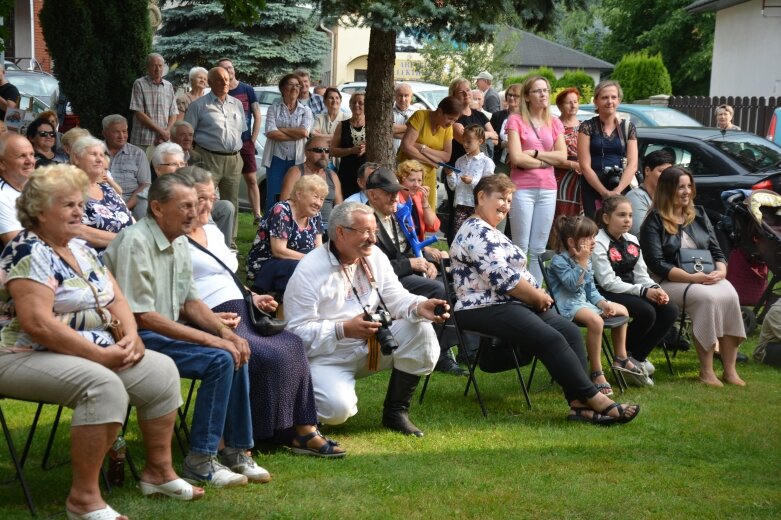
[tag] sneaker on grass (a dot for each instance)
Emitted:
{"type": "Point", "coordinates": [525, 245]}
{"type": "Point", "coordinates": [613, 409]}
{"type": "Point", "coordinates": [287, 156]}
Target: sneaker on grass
{"type": "Point", "coordinates": [239, 462]}
{"type": "Point", "coordinates": [209, 471]}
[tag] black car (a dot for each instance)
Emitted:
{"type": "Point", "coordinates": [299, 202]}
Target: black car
{"type": "Point", "coordinates": [718, 160]}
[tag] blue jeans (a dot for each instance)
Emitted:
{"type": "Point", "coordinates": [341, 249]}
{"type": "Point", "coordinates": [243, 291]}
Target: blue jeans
{"type": "Point", "coordinates": [275, 174]}
{"type": "Point", "coordinates": [222, 405]}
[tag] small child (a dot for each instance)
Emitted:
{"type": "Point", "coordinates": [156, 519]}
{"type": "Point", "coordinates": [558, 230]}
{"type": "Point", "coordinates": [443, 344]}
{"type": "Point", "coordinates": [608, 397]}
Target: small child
{"type": "Point", "coordinates": [474, 165]}
{"type": "Point", "coordinates": [572, 286]}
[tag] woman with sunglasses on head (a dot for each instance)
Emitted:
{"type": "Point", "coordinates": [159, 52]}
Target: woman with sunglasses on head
{"type": "Point", "coordinates": [43, 137]}
{"type": "Point", "coordinates": [535, 141]}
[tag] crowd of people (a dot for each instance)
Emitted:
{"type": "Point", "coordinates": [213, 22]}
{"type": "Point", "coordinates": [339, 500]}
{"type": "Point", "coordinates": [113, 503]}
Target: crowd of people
{"type": "Point", "coordinates": [120, 277]}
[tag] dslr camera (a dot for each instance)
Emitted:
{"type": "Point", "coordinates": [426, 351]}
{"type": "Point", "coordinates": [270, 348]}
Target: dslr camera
{"type": "Point", "coordinates": [611, 176]}
{"type": "Point", "coordinates": [384, 336]}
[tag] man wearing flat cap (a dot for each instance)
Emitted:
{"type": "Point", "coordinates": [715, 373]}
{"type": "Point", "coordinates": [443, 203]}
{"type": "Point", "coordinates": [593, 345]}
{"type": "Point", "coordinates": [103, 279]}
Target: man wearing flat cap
{"type": "Point", "coordinates": [491, 102]}
{"type": "Point", "coordinates": [416, 273]}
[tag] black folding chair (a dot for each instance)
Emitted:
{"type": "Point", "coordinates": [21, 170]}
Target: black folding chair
{"type": "Point", "coordinates": [609, 323]}
{"type": "Point", "coordinates": [19, 461]}
{"type": "Point", "coordinates": [485, 342]}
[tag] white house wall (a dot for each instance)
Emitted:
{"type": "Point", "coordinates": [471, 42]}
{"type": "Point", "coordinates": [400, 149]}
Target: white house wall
{"type": "Point", "coordinates": [745, 52]}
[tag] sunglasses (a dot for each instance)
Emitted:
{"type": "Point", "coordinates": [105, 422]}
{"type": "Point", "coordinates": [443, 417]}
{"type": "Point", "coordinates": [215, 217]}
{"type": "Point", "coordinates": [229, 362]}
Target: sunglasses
{"type": "Point", "coordinates": [319, 150]}
{"type": "Point", "coordinates": [43, 133]}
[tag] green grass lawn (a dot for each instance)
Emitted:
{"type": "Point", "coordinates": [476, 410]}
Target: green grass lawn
{"type": "Point", "coordinates": [694, 452]}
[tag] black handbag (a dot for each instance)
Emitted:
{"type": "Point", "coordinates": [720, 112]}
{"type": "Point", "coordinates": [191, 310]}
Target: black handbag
{"type": "Point", "coordinates": [263, 323]}
{"type": "Point", "coordinates": [696, 260]}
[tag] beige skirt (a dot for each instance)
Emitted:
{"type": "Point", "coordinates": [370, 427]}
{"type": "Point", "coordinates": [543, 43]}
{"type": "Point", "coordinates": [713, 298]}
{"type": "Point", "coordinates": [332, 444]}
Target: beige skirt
{"type": "Point", "coordinates": [714, 310]}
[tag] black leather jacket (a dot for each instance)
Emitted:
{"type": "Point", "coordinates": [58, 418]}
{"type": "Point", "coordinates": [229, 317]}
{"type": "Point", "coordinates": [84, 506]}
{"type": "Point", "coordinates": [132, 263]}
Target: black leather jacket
{"type": "Point", "coordinates": [661, 249]}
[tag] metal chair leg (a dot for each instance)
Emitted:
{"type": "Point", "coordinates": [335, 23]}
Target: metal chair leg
{"type": "Point", "coordinates": [17, 465]}
{"type": "Point", "coordinates": [50, 443]}
{"type": "Point", "coordinates": [471, 379]}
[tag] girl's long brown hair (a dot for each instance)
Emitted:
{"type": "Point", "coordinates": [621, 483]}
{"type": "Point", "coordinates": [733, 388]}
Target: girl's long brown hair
{"type": "Point", "coordinates": [664, 200]}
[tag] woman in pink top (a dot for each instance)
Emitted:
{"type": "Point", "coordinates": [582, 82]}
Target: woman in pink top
{"type": "Point", "coordinates": [535, 142]}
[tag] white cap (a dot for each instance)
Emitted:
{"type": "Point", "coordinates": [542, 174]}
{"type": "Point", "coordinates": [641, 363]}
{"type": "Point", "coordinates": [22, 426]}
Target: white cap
{"type": "Point", "coordinates": [484, 75]}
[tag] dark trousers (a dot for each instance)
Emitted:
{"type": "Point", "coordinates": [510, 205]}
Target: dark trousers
{"type": "Point", "coordinates": [556, 341]}
{"type": "Point", "coordinates": [650, 322]}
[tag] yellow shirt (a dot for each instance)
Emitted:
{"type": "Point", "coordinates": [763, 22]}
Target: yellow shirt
{"type": "Point", "coordinates": [421, 121]}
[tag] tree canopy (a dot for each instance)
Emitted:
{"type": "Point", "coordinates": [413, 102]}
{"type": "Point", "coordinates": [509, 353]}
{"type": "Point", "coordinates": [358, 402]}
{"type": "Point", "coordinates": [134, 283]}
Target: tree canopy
{"type": "Point", "coordinates": [279, 40]}
{"type": "Point", "coordinates": [99, 48]}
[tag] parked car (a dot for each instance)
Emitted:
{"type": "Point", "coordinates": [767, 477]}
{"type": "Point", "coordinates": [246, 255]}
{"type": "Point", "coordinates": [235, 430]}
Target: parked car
{"type": "Point", "coordinates": [647, 115]}
{"type": "Point", "coordinates": [719, 161]}
{"type": "Point", "coordinates": [425, 95]}
{"type": "Point", "coordinates": [40, 85]}
{"type": "Point", "coordinates": [774, 129]}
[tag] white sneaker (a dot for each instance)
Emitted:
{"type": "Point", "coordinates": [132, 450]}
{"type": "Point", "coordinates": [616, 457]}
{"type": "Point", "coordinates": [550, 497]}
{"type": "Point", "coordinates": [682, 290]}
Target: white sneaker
{"type": "Point", "coordinates": [646, 365]}
{"type": "Point", "coordinates": [239, 462]}
{"type": "Point", "coordinates": [213, 473]}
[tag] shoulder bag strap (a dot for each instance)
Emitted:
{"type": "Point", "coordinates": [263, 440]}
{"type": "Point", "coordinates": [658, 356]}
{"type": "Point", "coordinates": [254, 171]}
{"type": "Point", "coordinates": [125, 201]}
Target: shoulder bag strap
{"type": "Point", "coordinates": [236, 280]}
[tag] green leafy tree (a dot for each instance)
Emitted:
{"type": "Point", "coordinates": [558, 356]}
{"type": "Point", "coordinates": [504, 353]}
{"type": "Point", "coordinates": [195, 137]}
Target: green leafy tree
{"type": "Point", "coordinates": [579, 79]}
{"type": "Point", "coordinates": [468, 21]}
{"type": "Point", "coordinates": [99, 48]}
{"type": "Point", "coordinates": [275, 41]}
{"type": "Point", "coordinates": [442, 60]}
{"type": "Point", "coordinates": [545, 72]}
{"type": "Point", "coordinates": [6, 6]}
{"type": "Point", "coordinates": [642, 76]}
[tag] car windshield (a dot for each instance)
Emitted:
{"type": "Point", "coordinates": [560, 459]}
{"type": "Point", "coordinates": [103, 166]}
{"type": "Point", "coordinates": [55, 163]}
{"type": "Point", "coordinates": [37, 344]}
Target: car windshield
{"type": "Point", "coordinates": [753, 152]}
{"type": "Point", "coordinates": [38, 85]}
{"type": "Point", "coordinates": [433, 97]}
{"type": "Point", "coordinates": [671, 118]}
{"type": "Point", "coordinates": [267, 97]}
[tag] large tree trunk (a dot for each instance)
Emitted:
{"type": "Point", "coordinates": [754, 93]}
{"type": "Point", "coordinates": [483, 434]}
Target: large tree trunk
{"type": "Point", "coordinates": [379, 97]}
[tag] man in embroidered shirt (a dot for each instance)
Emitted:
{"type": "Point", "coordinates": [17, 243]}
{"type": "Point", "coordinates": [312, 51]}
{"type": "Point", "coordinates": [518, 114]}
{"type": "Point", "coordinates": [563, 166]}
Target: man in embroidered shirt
{"type": "Point", "coordinates": [151, 263]}
{"type": "Point", "coordinates": [324, 303]}
{"type": "Point", "coordinates": [218, 121]}
{"type": "Point", "coordinates": [153, 102]}
{"type": "Point", "coordinates": [129, 165]}
{"type": "Point", "coordinates": [17, 162]}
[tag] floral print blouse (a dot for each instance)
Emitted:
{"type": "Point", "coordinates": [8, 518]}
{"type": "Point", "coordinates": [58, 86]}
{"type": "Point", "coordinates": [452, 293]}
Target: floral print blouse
{"type": "Point", "coordinates": [108, 214]}
{"type": "Point", "coordinates": [28, 257]}
{"type": "Point", "coordinates": [485, 265]}
{"type": "Point", "coordinates": [279, 223]}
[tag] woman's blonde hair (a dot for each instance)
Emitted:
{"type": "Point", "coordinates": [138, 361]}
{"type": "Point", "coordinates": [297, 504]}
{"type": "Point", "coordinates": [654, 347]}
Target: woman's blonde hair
{"type": "Point", "coordinates": [407, 167]}
{"type": "Point", "coordinates": [525, 112]}
{"type": "Point", "coordinates": [664, 199]}
{"type": "Point", "coordinates": [309, 184]}
{"type": "Point", "coordinates": [602, 85]}
{"type": "Point", "coordinates": [43, 186]}
{"type": "Point", "coordinates": [73, 135]}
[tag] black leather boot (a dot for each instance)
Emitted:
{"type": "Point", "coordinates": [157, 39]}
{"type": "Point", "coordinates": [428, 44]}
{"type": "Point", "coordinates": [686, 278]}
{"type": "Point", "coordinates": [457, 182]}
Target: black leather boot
{"type": "Point", "coordinates": [401, 388]}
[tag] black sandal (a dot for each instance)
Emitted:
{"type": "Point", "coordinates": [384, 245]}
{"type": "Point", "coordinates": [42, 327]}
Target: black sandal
{"type": "Point", "coordinates": [622, 412]}
{"type": "Point", "coordinates": [327, 450]}
{"type": "Point", "coordinates": [601, 386]}
{"type": "Point", "coordinates": [596, 417]}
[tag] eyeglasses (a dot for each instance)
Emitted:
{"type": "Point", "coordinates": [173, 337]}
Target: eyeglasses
{"type": "Point", "coordinates": [512, 96]}
{"type": "Point", "coordinates": [541, 91]}
{"type": "Point", "coordinates": [180, 164]}
{"type": "Point", "coordinates": [364, 232]}
{"type": "Point", "coordinates": [293, 85]}
{"type": "Point", "coordinates": [318, 149]}
{"type": "Point", "coordinates": [43, 133]}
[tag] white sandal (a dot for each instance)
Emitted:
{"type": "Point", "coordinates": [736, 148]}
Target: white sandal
{"type": "Point", "coordinates": [107, 513]}
{"type": "Point", "coordinates": [178, 489]}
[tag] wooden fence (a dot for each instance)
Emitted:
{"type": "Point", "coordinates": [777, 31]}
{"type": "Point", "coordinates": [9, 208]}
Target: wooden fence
{"type": "Point", "coordinates": [752, 114]}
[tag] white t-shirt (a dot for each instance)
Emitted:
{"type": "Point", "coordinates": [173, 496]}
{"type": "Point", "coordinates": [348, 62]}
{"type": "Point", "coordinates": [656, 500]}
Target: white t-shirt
{"type": "Point", "coordinates": [213, 283]}
{"type": "Point", "coordinates": [8, 219]}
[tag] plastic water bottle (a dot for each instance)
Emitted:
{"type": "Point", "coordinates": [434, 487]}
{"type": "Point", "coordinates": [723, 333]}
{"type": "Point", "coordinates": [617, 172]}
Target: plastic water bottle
{"type": "Point", "coordinates": [116, 462]}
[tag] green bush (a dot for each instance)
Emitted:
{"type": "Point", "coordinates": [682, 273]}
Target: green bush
{"type": "Point", "coordinates": [575, 78]}
{"type": "Point", "coordinates": [545, 72]}
{"type": "Point", "coordinates": [642, 76]}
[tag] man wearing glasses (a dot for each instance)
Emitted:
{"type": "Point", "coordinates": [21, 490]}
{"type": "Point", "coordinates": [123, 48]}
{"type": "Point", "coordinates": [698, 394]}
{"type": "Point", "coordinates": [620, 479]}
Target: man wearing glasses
{"type": "Point", "coordinates": [316, 163]}
{"type": "Point", "coordinates": [168, 158]}
{"type": "Point", "coordinates": [288, 123]}
{"type": "Point", "coordinates": [325, 301]}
